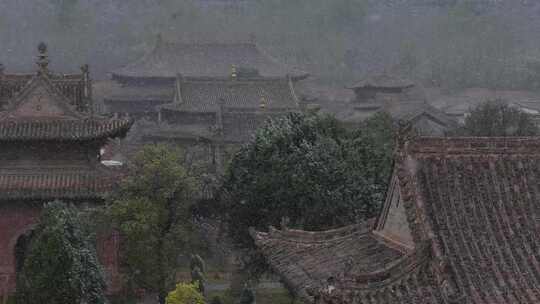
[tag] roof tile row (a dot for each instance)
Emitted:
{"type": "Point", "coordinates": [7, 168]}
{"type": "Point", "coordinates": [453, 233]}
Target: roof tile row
{"type": "Point", "coordinates": [62, 130]}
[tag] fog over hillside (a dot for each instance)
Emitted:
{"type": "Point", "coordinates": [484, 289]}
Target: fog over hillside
{"type": "Point", "coordinates": [438, 42]}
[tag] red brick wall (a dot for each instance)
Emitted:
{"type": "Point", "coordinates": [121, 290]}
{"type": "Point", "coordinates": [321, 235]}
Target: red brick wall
{"type": "Point", "coordinates": [107, 249]}
{"type": "Point", "coordinates": [17, 219]}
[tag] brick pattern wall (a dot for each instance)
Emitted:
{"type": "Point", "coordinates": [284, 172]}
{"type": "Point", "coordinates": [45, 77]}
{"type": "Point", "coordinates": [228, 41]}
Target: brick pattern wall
{"type": "Point", "coordinates": [15, 220]}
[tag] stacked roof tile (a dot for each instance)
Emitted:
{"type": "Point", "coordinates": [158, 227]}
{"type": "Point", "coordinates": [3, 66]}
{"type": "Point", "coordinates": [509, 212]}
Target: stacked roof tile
{"type": "Point", "coordinates": [207, 94]}
{"type": "Point", "coordinates": [66, 183]}
{"type": "Point", "coordinates": [41, 110]}
{"type": "Point", "coordinates": [132, 99]}
{"type": "Point", "coordinates": [471, 206]}
{"type": "Point", "coordinates": [307, 260]}
{"type": "Point", "coordinates": [62, 130]}
{"type": "Point", "coordinates": [383, 81]}
{"type": "Point", "coordinates": [167, 59]}
{"type": "Point", "coordinates": [72, 86]}
{"type": "Point", "coordinates": [230, 109]}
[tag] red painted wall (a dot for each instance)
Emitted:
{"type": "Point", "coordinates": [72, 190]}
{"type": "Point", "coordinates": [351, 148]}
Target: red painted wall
{"type": "Point", "coordinates": [18, 218]}
{"type": "Point", "coordinates": [15, 220]}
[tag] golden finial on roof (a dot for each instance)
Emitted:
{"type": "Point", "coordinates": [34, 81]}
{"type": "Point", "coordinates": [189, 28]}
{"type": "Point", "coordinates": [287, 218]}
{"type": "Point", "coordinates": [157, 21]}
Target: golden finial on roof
{"type": "Point", "coordinates": [233, 71]}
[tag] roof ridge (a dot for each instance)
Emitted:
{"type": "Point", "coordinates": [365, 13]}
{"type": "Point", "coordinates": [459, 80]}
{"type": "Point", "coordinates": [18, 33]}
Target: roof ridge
{"type": "Point", "coordinates": [32, 84]}
{"type": "Point", "coordinates": [206, 43]}
{"type": "Point", "coordinates": [393, 271]}
{"type": "Point", "coordinates": [167, 58]}
{"type": "Point", "coordinates": [240, 79]}
{"type": "Point", "coordinates": [486, 146]}
{"type": "Point", "coordinates": [298, 235]}
{"type": "Point", "coordinates": [63, 130]}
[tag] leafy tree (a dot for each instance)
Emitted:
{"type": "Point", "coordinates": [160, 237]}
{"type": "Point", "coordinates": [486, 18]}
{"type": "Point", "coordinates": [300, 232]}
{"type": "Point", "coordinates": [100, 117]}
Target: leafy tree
{"type": "Point", "coordinates": [309, 169]}
{"type": "Point", "coordinates": [497, 119]}
{"type": "Point", "coordinates": [185, 294]}
{"type": "Point", "coordinates": [152, 213]}
{"type": "Point", "coordinates": [61, 264]}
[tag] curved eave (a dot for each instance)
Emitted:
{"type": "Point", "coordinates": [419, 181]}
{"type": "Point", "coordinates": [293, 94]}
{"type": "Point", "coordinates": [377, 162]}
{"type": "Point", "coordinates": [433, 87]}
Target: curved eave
{"type": "Point", "coordinates": [28, 196]}
{"type": "Point", "coordinates": [300, 76]}
{"type": "Point", "coordinates": [93, 184]}
{"type": "Point", "coordinates": [305, 260]}
{"type": "Point", "coordinates": [393, 272]}
{"type": "Point", "coordinates": [143, 78]}
{"type": "Point", "coordinates": [379, 87]}
{"type": "Point", "coordinates": [171, 78]}
{"type": "Point", "coordinates": [118, 131]}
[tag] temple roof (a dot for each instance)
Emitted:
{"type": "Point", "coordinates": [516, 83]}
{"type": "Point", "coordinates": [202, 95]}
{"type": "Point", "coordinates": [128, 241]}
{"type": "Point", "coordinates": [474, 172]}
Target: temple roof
{"type": "Point", "coordinates": [45, 109]}
{"type": "Point", "coordinates": [167, 59]}
{"type": "Point", "coordinates": [206, 95]}
{"type": "Point", "coordinates": [237, 127]}
{"type": "Point", "coordinates": [76, 88]}
{"type": "Point", "coordinates": [409, 111]}
{"type": "Point", "coordinates": [383, 81]}
{"type": "Point", "coordinates": [479, 197]}
{"type": "Point", "coordinates": [113, 91]}
{"type": "Point", "coordinates": [408, 279]}
{"type": "Point", "coordinates": [472, 207]}
{"type": "Point", "coordinates": [132, 99]}
{"type": "Point", "coordinates": [306, 260]}
{"type": "Point", "coordinates": [56, 183]}
{"type": "Point", "coordinates": [165, 131]}
{"type": "Point", "coordinates": [63, 130]}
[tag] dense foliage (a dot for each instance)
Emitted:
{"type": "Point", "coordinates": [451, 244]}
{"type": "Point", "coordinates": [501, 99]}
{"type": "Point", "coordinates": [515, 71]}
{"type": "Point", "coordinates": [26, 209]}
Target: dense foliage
{"type": "Point", "coordinates": [497, 119]}
{"type": "Point", "coordinates": [61, 264]}
{"type": "Point", "coordinates": [152, 213]}
{"type": "Point", "coordinates": [309, 169]}
{"type": "Point", "coordinates": [185, 294]}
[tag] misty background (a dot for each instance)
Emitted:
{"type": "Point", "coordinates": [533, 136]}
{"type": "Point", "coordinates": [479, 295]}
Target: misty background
{"type": "Point", "coordinates": [438, 43]}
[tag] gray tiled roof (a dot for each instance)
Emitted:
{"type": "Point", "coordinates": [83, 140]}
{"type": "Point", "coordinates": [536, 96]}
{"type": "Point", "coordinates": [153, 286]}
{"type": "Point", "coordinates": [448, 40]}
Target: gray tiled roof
{"type": "Point", "coordinates": [168, 59]}
{"type": "Point", "coordinates": [113, 91]}
{"type": "Point", "coordinates": [50, 184]}
{"type": "Point", "coordinates": [382, 81]}
{"type": "Point", "coordinates": [472, 206]}
{"type": "Point", "coordinates": [132, 99]}
{"type": "Point", "coordinates": [62, 129]}
{"type": "Point", "coordinates": [205, 95]}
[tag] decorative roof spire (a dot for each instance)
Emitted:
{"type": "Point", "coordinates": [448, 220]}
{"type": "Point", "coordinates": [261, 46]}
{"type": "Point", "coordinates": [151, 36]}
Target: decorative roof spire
{"type": "Point", "coordinates": [43, 58]}
{"type": "Point", "coordinates": [85, 68]}
{"type": "Point", "coordinates": [262, 105]}
{"type": "Point", "coordinates": [233, 71]}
